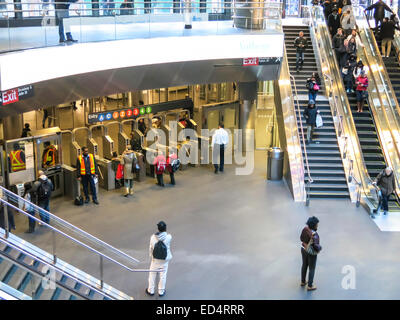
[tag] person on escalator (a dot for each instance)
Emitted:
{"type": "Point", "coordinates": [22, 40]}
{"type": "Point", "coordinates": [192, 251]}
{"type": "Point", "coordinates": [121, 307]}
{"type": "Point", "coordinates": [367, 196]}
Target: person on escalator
{"type": "Point", "coordinates": [348, 22]}
{"type": "Point", "coordinates": [361, 90]}
{"type": "Point", "coordinates": [386, 183]}
{"type": "Point", "coordinates": [379, 8]}
{"type": "Point", "coordinates": [351, 48]}
{"type": "Point", "coordinates": [339, 47]}
{"type": "Point", "coordinates": [313, 86]}
{"type": "Point", "coordinates": [395, 20]}
{"type": "Point", "coordinates": [310, 113]}
{"type": "Point", "coordinates": [386, 33]}
{"type": "Point", "coordinates": [347, 72]}
{"type": "Point", "coordinates": [334, 22]}
{"type": "Point", "coordinates": [359, 67]}
{"type": "Point", "coordinates": [327, 4]}
{"type": "Point", "coordinates": [300, 44]}
{"type": "Point", "coordinates": [354, 34]}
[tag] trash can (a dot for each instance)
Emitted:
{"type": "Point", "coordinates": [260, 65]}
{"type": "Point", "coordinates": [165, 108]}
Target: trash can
{"type": "Point", "coordinates": [275, 164]}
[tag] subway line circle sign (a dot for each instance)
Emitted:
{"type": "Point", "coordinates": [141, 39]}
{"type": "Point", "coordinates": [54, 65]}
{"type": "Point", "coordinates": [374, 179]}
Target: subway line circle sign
{"type": "Point", "coordinates": [118, 114]}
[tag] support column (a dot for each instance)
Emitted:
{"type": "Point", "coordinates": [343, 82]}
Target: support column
{"type": "Point", "coordinates": [17, 9]}
{"type": "Point", "coordinates": [130, 99]}
{"type": "Point", "coordinates": [12, 127]}
{"type": "Point", "coordinates": [247, 97]}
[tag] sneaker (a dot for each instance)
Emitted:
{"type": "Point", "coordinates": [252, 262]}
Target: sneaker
{"type": "Point", "coordinates": [148, 293]}
{"type": "Point", "coordinates": [161, 294]}
{"type": "Point", "coordinates": [87, 200]}
{"type": "Point", "coordinates": [96, 202]}
{"type": "Point", "coordinates": [311, 288]}
{"type": "Point", "coordinates": [302, 284]}
{"type": "Point", "coordinates": [216, 171]}
{"type": "Point", "coordinates": [384, 213]}
{"type": "Point", "coordinates": [29, 231]}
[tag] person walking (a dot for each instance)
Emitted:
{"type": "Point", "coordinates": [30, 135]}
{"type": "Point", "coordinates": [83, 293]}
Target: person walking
{"type": "Point", "coordinates": [300, 44]}
{"type": "Point", "coordinates": [160, 164]}
{"type": "Point", "coordinates": [387, 185]}
{"type": "Point", "coordinates": [379, 8]}
{"type": "Point", "coordinates": [160, 254]}
{"type": "Point", "coordinates": [62, 12]}
{"type": "Point", "coordinates": [361, 90]}
{"type": "Point", "coordinates": [172, 166]}
{"type": "Point", "coordinates": [129, 162]}
{"type": "Point", "coordinates": [87, 171]}
{"type": "Point", "coordinates": [386, 32]}
{"type": "Point", "coordinates": [310, 113]}
{"type": "Point", "coordinates": [43, 188]}
{"type": "Point", "coordinates": [339, 47]}
{"type": "Point", "coordinates": [28, 207]}
{"type": "Point", "coordinates": [347, 72]}
{"type": "Point", "coordinates": [310, 247]}
{"type": "Point", "coordinates": [219, 141]}
{"type": "Point", "coordinates": [313, 86]}
{"type": "Point", "coordinates": [334, 22]}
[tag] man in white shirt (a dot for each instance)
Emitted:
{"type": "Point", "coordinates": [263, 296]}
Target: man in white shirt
{"type": "Point", "coordinates": [160, 254]}
{"type": "Point", "coordinates": [219, 141]}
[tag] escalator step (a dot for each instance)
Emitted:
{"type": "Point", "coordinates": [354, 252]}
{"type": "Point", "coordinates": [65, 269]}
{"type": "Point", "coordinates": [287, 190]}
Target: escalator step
{"type": "Point", "coordinates": [56, 294]}
{"type": "Point", "coordinates": [72, 298]}
{"type": "Point", "coordinates": [9, 274]}
{"type": "Point", "coordinates": [25, 282]}
{"type": "Point", "coordinates": [38, 292]}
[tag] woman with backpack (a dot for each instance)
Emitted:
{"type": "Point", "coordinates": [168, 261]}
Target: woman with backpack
{"type": "Point", "coordinates": [310, 248]}
{"type": "Point", "coordinates": [129, 161]}
{"type": "Point", "coordinates": [313, 84]}
{"type": "Point", "coordinates": [172, 166]}
{"type": "Point", "coordinates": [160, 164]}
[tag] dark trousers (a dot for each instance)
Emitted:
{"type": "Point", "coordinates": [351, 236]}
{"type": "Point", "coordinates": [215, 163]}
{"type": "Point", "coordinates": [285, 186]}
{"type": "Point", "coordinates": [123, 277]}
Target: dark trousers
{"type": "Point", "coordinates": [384, 202]}
{"type": "Point", "coordinates": [309, 262]}
{"type": "Point", "coordinates": [160, 179]}
{"type": "Point", "coordinates": [172, 176]}
{"type": "Point", "coordinates": [86, 180]}
{"type": "Point", "coordinates": [378, 22]}
{"type": "Point", "coordinates": [299, 59]}
{"type": "Point", "coordinates": [44, 204]}
{"type": "Point", "coordinates": [32, 222]}
{"type": "Point", "coordinates": [312, 95]}
{"type": "Point", "coordinates": [10, 214]}
{"type": "Point", "coordinates": [219, 148]}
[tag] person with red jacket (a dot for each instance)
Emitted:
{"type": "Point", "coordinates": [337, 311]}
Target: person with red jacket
{"type": "Point", "coordinates": [160, 164]}
{"type": "Point", "coordinates": [170, 160]}
{"type": "Point", "coordinates": [361, 90]}
{"type": "Point", "coordinates": [310, 247]}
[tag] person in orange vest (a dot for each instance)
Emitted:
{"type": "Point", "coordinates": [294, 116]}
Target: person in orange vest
{"type": "Point", "coordinates": [17, 159]}
{"type": "Point", "coordinates": [49, 155]}
{"type": "Point", "coordinates": [87, 171]}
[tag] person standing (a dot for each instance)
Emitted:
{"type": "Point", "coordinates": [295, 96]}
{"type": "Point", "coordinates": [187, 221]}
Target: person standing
{"type": "Point", "coordinates": [87, 170]}
{"type": "Point", "coordinates": [310, 248]}
{"type": "Point", "coordinates": [28, 207]}
{"type": "Point", "coordinates": [348, 21]}
{"type": "Point", "coordinates": [347, 72]}
{"type": "Point", "coordinates": [339, 47]}
{"type": "Point", "coordinates": [160, 164]}
{"type": "Point", "coordinates": [379, 8]}
{"type": "Point", "coordinates": [62, 11]}
{"type": "Point", "coordinates": [313, 86]}
{"type": "Point", "coordinates": [129, 162]}
{"type": "Point", "coordinates": [43, 188]}
{"type": "Point", "coordinates": [300, 44]}
{"type": "Point", "coordinates": [387, 35]}
{"type": "Point", "coordinates": [387, 185]}
{"type": "Point", "coordinates": [26, 131]}
{"type": "Point", "coordinates": [160, 254]}
{"type": "Point", "coordinates": [334, 22]}
{"type": "Point", "coordinates": [172, 166]}
{"type": "Point", "coordinates": [361, 90]}
{"type": "Point", "coordinates": [220, 139]}
{"type": "Point", "coordinates": [310, 113]}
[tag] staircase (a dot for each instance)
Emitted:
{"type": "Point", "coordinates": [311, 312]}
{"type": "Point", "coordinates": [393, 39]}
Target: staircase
{"type": "Point", "coordinates": [326, 167]}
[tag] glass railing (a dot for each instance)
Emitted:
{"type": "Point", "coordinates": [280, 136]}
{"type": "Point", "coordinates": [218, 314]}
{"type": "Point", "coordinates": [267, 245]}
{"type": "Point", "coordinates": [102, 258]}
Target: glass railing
{"type": "Point", "coordinates": [359, 181]}
{"type": "Point", "coordinates": [382, 100]}
{"type": "Point", "coordinates": [36, 25]}
{"type": "Point", "coordinates": [294, 150]}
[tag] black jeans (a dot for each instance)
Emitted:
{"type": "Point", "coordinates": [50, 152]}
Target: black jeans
{"type": "Point", "coordinates": [32, 222]}
{"type": "Point", "coordinates": [86, 180]}
{"type": "Point", "coordinates": [309, 262]}
{"type": "Point", "coordinates": [219, 148]}
{"type": "Point", "coordinates": [385, 202]}
{"type": "Point", "coordinates": [160, 179]}
{"type": "Point", "coordinates": [44, 204]}
{"type": "Point", "coordinates": [172, 176]}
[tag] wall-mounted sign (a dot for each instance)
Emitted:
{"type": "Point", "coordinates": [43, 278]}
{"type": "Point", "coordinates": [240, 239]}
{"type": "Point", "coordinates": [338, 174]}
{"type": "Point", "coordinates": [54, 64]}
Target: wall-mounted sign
{"type": "Point", "coordinates": [14, 95]}
{"type": "Point", "coordinates": [261, 61]}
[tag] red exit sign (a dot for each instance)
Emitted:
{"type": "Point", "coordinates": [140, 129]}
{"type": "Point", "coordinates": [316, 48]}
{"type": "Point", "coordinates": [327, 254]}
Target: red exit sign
{"type": "Point", "coordinates": [10, 96]}
{"type": "Point", "coordinates": [250, 61]}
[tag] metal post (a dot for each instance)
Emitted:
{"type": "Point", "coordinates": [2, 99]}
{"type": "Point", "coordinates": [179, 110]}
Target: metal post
{"type": "Point", "coordinates": [101, 272]}
{"type": "Point", "coordinates": [6, 226]}
{"type": "Point", "coordinates": [54, 247]}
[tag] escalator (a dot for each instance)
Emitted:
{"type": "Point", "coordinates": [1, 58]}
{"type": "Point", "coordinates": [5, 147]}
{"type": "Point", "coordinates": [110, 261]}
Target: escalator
{"type": "Point", "coordinates": [325, 163]}
{"type": "Point", "coordinates": [393, 69]}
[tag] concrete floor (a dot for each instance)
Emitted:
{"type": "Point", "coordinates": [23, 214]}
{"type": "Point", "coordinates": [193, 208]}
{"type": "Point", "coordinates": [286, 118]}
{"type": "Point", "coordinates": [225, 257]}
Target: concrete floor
{"type": "Point", "coordinates": [234, 237]}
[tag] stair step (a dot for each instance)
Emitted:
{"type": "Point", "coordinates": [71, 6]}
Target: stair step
{"type": "Point", "coordinates": [330, 194]}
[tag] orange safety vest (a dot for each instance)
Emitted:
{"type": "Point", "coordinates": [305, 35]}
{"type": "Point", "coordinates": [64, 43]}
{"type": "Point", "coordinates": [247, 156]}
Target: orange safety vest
{"type": "Point", "coordinates": [83, 168]}
{"type": "Point", "coordinates": [16, 162]}
{"type": "Point", "coordinates": [47, 158]}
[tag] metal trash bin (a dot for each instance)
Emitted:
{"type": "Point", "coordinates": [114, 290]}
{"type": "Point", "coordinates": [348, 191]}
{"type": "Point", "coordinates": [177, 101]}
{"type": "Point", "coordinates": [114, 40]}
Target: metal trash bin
{"type": "Point", "coordinates": [275, 163]}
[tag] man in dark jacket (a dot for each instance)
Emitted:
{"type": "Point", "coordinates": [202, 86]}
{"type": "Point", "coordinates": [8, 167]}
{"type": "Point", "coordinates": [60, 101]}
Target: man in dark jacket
{"type": "Point", "coordinates": [301, 45]}
{"type": "Point", "coordinates": [387, 35]}
{"type": "Point", "coordinates": [62, 11]}
{"type": "Point", "coordinates": [379, 8]}
{"type": "Point", "coordinates": [327, 4]}
{"type": "Point", "coordinates": [340, 49]}
{"type": "Point", "coordinates": [387, 185]}
{"type": "Point", "coordinates": [310, 113]}
{"type": "Point", "coordinates": [334, 21]}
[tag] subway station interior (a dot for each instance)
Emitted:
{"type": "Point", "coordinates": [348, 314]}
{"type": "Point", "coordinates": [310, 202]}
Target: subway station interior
{"type": "Point", "coordinates": [160, 77]}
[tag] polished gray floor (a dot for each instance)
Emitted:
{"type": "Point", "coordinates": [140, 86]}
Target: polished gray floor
{"type": "Point", "coordinates": [234, 237]}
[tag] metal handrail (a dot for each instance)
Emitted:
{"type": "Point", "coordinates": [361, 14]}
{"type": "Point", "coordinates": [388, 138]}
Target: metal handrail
{"type": "Point", "coordinates": [83, 233]}
{"type": "Point", "coordinates": [310, 180]}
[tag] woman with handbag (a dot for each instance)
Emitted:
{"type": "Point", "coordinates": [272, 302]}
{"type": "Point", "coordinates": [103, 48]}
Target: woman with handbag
{"type": "Point", "coordinates": [361, 90]}
{"type": "Point", "coordinates": [310, 248]}
{"type": "Point", "coordinates": [129, 162]}
{"type": "Point", "coordinates": [313, 87]}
